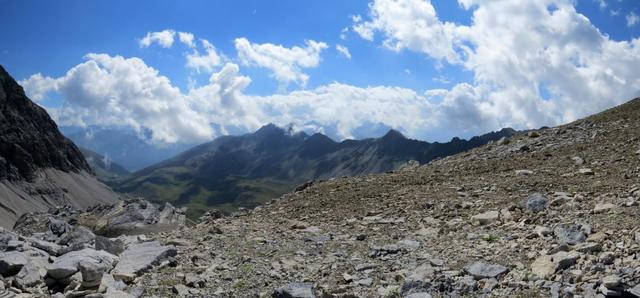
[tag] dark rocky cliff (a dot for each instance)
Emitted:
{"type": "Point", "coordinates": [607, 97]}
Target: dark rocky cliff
{"type": "Point", "coordinates": [29, 139]}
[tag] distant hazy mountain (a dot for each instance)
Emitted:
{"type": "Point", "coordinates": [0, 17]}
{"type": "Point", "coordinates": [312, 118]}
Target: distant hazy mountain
{"type": "Point", "coordinates": [247, 170]}
{"type": "Point", "coordinates": [122, 145]}
{"type": "Point", "coordinates": [106, 170]}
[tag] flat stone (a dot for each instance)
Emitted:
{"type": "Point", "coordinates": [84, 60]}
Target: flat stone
{"type": "Point", "coordinates": [588, 247]}
{"type": "Point", "coordinates": [604, 208]}
{"type": "Point", "coordinates": [180, 290]}
{"type": "Point", "coordinates": [418, 295]}
{"type": "Point", "coordinates": [586, 171]}
{"type": "Point", "coordinates": [69, 264]}
{"type": "Point", "coordinates": [11, 262]}
{"type": "Point", "coordinates": [611, 281]}
{"type": "Point", "coordinates": [535, 202]}
{"type": "Point", "coordinates": [485, 218]}
{"type": "Point", "coordinates": [482, 270]}
{"type": "Point", "coordinates": [367, 282]}
{"type": "Point", "coordinates": [140, 257]}
{"type": "Point", "coordinates": [547, 265]}
{"type": "Point", "coordinates": [295, 290]}
{"type": "Point", "coordinates": [524, 172]}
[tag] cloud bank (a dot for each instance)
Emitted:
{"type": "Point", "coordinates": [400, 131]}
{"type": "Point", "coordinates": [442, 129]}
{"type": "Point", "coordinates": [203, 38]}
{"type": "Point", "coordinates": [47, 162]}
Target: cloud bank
{"type": "Point", "coordinates": [534, 63]}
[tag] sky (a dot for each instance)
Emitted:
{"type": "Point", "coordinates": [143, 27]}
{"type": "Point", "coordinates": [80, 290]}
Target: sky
{"type": "Point", "coordinates": [190, 71]}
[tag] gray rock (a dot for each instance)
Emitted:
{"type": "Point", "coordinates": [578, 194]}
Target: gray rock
{"type": "Point", "coordinates": [50, 247]}
{"type": "Point", "coordinates": [418, 295]}
{"type": "Point", "coordinates": [29, 276]}
{"type": "Point", "coordinates": [69, 263]}
{"type": "Point", "coordinates": [92, 273]}
{"type": "Point", "coordinates": [535, 202]}
{"type": "Point", "coordinates": [295, 290]}
{"type": "Point", "coordinates": [571, 234]}
{"type": "Point", "coordinates": [545, 266]}
{"type": "Point", "coordinates": [58, 227]}
{"type": "Point", "coordinates": [588, 247]}
{"type": "Point", "coordinates": [111, 245]}
{"type": "Point", "coordinates": [611, 281]}
{"type": "Point", "coordinates": [367, 282]}
{"type": "Point", "coordinates": [11, 262]}
{"type": "Point", "coordinates": [481, 270]}
{"type": "Point", "coordinates": [604, 208]}
{"type": "Point", "coordinates": [180, 290]}
{"type": "Point", "coordinates": [635, 290]}
{"type": "Point", "coordinates": [77, 239]}
{"type": "Point", "coordinates": [140, 257]}
{"type": "Point", "coordinates": [135, 216]}
{"type": "Point", "coordinates": [485, 218]}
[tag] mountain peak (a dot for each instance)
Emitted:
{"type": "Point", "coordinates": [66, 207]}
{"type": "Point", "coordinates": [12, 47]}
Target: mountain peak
{"type": "Point", "coordinates": [269, 129]}
{"type": "Point", "coordinates": [393, 134]}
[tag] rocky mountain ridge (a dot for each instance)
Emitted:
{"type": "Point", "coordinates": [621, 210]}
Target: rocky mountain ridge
{"type": "Point", "coordinates": [248, 170]}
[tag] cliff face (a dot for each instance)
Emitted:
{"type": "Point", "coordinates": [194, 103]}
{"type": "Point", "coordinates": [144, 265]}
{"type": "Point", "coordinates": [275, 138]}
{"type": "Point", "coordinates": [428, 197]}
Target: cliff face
{"type": "Point", "coordinates": [39, 167]}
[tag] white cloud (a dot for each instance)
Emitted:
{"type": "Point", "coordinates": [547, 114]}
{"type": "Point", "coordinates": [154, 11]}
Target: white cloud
{"type": "Point", "coordinates": [162, 38]}
{"type": "Point", "coordinates": [187, 38]}
{"type": "Point", "coordinates": [409, 24]}
{"type": "Point", "coordinates": [343, 33]}
{"type": "Point", "coordinates": [632, 19]}
{"type": "Point", "coordinates": [344, 51]}
{"type": "Point", "coordinates": [37, 86]}
{"type": "Point", "coordinates": [286, 64]}
{"type": "Point", "coordinates": [206, 62]}
{"type": "Point", "coordinates": [602, 4]}
{"type": "Point", "coordinates": [534, 62]}
{"type": "Point", "coordinates": [116, 91]}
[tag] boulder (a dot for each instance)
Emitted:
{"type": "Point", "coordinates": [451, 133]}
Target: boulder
{"type": "Point", "coordinates": [11, 262]}
{"type": "Point", "coordinates": [29, 276]}
{"type": "Point", "coordinates": [295, 290]}
{"type": "Point", "coordinates": [482, 270]}
{"type": "Point", "coordinates": [111, 245]}
{"type": "Point", "coordinates": [535, 202]}
{"type": "Point", "coordinates": [140, 257]}
{"type": "Point", "coordinates": [69, 263]}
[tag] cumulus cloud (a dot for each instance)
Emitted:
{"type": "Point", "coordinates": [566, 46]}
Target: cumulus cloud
{"type": "Point", "coordinates": [286, 64]}
{"type": "Point", "coordinates": [534, 62]}
{"type": "Point", "coordinates": [410, 24]}
{"type": "Point", "coordinates": [344, 51]}
{"type": "Point", "coordinates": [117, 91]}
{"type": "Point", "coordinates": [206, 62]}
{"type": "Point", "coordinates": [632, 19]}
{"type": "Point", "coordinates": [162, 38]}
{"type": "Point", "coordinates": [187, 38]}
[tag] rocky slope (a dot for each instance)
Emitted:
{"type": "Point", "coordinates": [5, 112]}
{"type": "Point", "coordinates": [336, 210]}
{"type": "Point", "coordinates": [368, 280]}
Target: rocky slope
{"type": "Point", "coordinates": [68, 252]}
{"type": "Point", "coordinates": [248, 170]}
{"type": "Point", "coordinates": [39, 168]}
{"type": "Point", "coordinates": [551, 213]}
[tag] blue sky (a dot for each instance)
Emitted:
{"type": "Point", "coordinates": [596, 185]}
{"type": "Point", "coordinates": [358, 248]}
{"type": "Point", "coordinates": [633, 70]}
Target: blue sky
{"type": "Point", "coordinates": [52, 37]}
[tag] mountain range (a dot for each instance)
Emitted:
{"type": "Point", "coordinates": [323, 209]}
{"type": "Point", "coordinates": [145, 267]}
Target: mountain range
{"type": "Point", "coordinates": [248, 170]}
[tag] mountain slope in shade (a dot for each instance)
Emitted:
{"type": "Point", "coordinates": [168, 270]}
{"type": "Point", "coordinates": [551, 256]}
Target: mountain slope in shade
{"type": "Point", "coordinates": [105, 169]}
{"type": "Point", "coordinates": [39, 167]}
{"type": "Point", "coordinates": [245, 171]}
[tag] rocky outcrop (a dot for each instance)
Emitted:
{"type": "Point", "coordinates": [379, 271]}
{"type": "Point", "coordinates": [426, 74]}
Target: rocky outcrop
{"type": "Point", "coordinates": [39, 167]}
